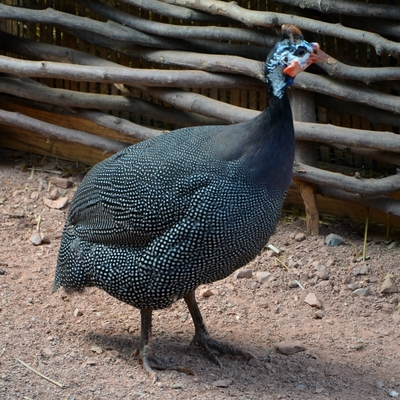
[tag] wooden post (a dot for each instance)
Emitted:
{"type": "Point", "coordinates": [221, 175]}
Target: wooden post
{"type": "Point", "coordinates": [303, 108]}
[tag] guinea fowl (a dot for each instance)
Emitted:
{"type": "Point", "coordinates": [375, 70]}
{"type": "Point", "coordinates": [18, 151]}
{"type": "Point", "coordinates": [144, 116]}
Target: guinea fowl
{"type": "Point", "coordinates": [156, 220]}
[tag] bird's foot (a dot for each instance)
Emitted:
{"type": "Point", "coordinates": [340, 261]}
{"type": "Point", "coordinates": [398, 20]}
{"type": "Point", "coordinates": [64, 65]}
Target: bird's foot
{"type": "Point", "coordinates": [211, 347]}
{"type": "Point", "coordinates": [150, 363]}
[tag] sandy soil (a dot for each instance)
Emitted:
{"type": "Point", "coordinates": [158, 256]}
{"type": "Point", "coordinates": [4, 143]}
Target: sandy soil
{"type": "Point", "coordinates": [86, 342]}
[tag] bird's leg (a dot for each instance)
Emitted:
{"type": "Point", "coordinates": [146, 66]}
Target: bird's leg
{"type": "Point", "coordinates": [152, 362]}
{"type": "Point", "coordinates": [203, 339]}
{"type": "Point", "coordinates": [145, 333]}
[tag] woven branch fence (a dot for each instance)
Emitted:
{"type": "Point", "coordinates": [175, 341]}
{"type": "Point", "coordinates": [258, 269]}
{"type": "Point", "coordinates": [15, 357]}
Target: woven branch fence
{"type": "Point", "coordinates": [82, 80]}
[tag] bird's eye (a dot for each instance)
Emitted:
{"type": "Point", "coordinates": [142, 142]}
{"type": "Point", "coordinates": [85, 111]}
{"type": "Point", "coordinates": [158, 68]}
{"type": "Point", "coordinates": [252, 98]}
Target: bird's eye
{"type": "Point", "coordinates": [300, 52]}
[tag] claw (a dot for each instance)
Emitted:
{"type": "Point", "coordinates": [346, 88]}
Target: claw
{"type": "Point", "coordinates": [150, 363]}
{"type": "Point", "coordinates": [212, 346]}
{"type": "Point", "coordinates": [202, 337]}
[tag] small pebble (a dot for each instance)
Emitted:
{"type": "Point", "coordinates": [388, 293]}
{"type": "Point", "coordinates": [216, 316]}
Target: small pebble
{"type": "Point", "coordinates": [388, 285]}
{"type": "Point", "coordinates": [393, 393]}
{"type": "Point", "coordinates": [311, 300]}
{"type": "Point", "coordinates": [58, 204]}
{"type": "Point", "coordinates": [322, 273]}
{"type": "Point", "coordinates": [379, 384]}
{"type": "Point", "coordinates": [301, 387]}
{"type": "Point", "coordinates": [361, 270]}
{"type": "Point", "coordinates": [176, 386]}
{"type": "Point", "coordinates": [61, 182]}
{"type": "Point", "coordinates": [333, 240]}
{"type": "Point", "coordinates": [362, 292]}
{"type": "Point", "coordinates": [288, 348]}
{"type": "Point", "coordinates": [300, 237]}
{"type": "Point", "coordinates": [34, 195]}
{"type": "Point", "coordinates": [264, 276]}
{"type": "Point", "coordinates": [318, 314]}
{"type": "Point", "coordinates": [36, 238]}
{"type": "Point", "coordinates": [77, 312]}
{"type": "Point", "coordinates": [97, 349]}
{"type": "Point", "coordinates": [206, 293]}
{"type": "Point", "coordinates": [222, 382]}
{"type": "Point", "coordinates": [54, 194]}
{"type": "Point", "coordinates": [244, 273]}
{"type": "Point", "coordinates": [254, 363]}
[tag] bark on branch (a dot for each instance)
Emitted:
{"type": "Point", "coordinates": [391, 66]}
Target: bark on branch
{"type": "Point", "coordinates": [385, 157]}
{"type": "Point", "coordinates": [367, 75]}
{"type": "Point", "coordinates": [72, 99]}
{"type": "Point", "coordinates": [267, 18]}
{"type": "Point", "coordinates": [385, 204]}
{"type": "Point", "coordinates": [204, 62]}
{"type": "Point", "coordinates": [331, 134]}
{"type": "Point", "coordinates": [176, 31]}
{"type": "Point", "coordinates": [214, 112]}
{"type": "Point", "coordinates": [376, 116]}
{"type": "Point", "coordinates": [359, 186]}
{"type": "Point", "coordinates": [123, 126]}
{"type": "Point", "coordinates": [186, 59]}
{"type": "Point", "coordinates": [108, 29]}
{"type": "Point", "coordinates": [125, 75]}
{"type": "Point", "coordinates": [120, 38]}
{"type": "Point", "coordinates": [169, 10]}
{"type": "Point", "coordinates": [108, 146]}
{"type": "Point", "coordinates": [345, 91]}
{"type": "Point", "coordinates": [200, 104]}
{"type": "Point", "coordinates": [120, 125]}
{"type": "Point", "coordinates": [348, 8]}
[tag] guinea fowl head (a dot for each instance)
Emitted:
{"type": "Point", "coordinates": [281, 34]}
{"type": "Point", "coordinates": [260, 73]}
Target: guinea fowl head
{"type": "Point", "coordinates": [291, 55]}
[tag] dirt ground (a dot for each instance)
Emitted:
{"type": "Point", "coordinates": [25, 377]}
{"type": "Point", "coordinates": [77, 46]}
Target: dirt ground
{"type": "Point", "coordinates": [86, 342]}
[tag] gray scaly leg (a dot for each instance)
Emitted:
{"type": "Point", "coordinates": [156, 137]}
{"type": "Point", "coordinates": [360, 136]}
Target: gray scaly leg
{"type": "Point", "coordinates": [202, 337]}
{"type": "Point", "coordinates": [152, 362]}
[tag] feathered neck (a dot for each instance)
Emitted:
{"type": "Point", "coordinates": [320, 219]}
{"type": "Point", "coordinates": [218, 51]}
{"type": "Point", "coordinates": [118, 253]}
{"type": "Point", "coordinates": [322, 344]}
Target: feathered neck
{"type": "Point", "coordinates": [276, 79]}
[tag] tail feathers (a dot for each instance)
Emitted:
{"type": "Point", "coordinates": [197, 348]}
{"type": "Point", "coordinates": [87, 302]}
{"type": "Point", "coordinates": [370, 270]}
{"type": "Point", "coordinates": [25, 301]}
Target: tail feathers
{"type": "Point", "coordinates": [70, 272]}
{"type": "Point", "coordinates": [56, 285]}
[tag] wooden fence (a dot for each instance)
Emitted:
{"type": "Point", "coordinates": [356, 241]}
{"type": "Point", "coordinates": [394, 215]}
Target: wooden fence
{"type": "Point", "coordinates": [82, 80]}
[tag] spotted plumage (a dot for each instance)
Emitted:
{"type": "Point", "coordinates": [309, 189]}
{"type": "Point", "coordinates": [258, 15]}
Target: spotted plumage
{"type": "Point", "coordinates": [156, 220]}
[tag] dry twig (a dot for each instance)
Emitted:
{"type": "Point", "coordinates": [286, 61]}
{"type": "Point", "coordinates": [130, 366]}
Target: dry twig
{"type": "Point", "coordinates": [345, 7]}
{"type": "Point", "coordinates": [41, 375]}
{"type": "Point", "coordinates": [267, 18]}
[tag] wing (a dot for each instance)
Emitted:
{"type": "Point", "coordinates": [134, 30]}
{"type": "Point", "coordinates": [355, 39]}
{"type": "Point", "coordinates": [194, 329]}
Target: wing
{"type": "Point", "coordinates": [136, 195]}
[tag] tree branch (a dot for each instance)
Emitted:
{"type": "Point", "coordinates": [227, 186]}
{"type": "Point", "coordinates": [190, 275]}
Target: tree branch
{"type": "Point", "coordinates": [108, 146]}
{"type": "Point", "coordinates": [123, 126]}
{"type": "Point", "coordinates": [200, 104]}
{"type": "Point", "coordinates": [376, 116]}
{"type": "Point", "coordinates": [267, 18]}
{"type": "Point", "coordinates": [116, 124]}
{"type": "Point", "coordinates": [176, 31]}
{"type": "Point", "coordinates": [171, 11]}
{"type": "Point", "coordinates": [345, 91]}
{"type": "Point", "coordinates": [331, 134]}
{"type": "Point", "coordinates": [347, 8]}
{"type": "Point", "coordinates": [385, 204]}
{"type": "Point", "coordinates": [367, 75]}
{"type": "Point", "coordinates": [115, 36]}
{"type": "Point", "coordinates": [374, 154]}
{"type": "Point", "coordinates": [205, 62]}
{"type": "Point", "coordinates": [359, 186]}
{"type": "Point", "coordinates": [109, 29]}
{"type": "Point", "coordinates": [125, 75]}
{"type": "Point", "coordinates": [72, 99]}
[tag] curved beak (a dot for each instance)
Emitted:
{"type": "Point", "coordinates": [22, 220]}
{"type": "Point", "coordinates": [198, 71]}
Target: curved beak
{"type": "Point", "coordinates": [295, 67]}
{"type": "Point", "coordinates": [318, 55]}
